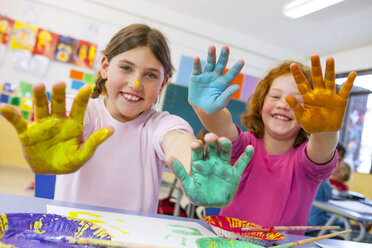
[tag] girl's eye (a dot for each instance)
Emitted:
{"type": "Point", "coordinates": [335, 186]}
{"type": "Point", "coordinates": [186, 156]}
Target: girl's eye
{"type": "Point", "coordinates": [125, 68]}
{"type": "Point", "coordinates": [151, 75]}
{"type": "Point", "coordinates": [275, 97]}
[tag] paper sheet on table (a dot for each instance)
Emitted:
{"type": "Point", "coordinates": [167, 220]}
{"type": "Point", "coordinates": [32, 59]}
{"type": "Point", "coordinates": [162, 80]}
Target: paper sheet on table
{"type": "Point", "coordinates": [140, 229]}
{"type": "Point", "coordinates": [353, 205]}
{"type": "Point", "coordinates": [325, 246]}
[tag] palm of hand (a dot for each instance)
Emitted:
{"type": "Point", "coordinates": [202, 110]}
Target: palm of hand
{"type": "Point", "coordinates": [323, 109]}
{"type": "Point", "coordinates": [205, 89]}
{"type": "Point", "coordinates": [212, 182]}
{"type": "Point", "coordinates": [58, 139]}
{"type": "Point", "coordinates": [210, 90]}
{"type": "Point", "coordinates": [53, 142]}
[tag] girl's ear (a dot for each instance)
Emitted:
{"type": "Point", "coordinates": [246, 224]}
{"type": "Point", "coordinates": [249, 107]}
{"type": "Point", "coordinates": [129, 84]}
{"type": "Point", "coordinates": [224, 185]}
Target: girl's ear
{"type": "Point", "coordinates": [165, 81]}
{"type": "Point", "coordinates": [104, 67]}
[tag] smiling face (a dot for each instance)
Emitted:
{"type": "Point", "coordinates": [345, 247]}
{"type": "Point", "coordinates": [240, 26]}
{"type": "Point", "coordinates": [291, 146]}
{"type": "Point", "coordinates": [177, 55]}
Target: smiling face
{"type": "Point", "coordinates": [278, 118]}
{"type": "Point", "coordinates": [134, 80]}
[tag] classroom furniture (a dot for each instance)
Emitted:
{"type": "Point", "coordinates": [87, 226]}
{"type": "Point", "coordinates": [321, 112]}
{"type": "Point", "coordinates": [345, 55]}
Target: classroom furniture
{"type": "Point", "coordinates": [24, 204]}
{"type": "Point", "coordinates": [45, 185]}
{"type": "Point", "coordinates": [345, 215]}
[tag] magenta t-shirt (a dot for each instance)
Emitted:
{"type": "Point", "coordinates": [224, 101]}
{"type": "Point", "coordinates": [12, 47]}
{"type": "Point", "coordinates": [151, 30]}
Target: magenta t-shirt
{"type": "Point", "coordinates": [276, 189]}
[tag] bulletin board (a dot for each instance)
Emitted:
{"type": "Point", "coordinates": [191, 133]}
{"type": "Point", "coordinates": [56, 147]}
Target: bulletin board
{"type": "Point", "coordinates": [175, 102]}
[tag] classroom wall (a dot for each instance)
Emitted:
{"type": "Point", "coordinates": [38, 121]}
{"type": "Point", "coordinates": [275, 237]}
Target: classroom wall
{"type": "Point", "coordinates": [355, 59]}
{"type": "Point", "coordinates": [97, 21]}
{"type": "Point", "coordinates": [361, 183]}
{"type": "Point", "coordinates": [10, 146]}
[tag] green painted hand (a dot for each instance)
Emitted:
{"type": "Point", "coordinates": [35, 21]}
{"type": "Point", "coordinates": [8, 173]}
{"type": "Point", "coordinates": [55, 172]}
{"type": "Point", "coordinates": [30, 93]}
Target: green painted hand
{"type": "Point", "coordinates": [323, 109]}
{"type": "Point", "coordinates": [53, 143]}
{"type": "Point", "coordinates": [213, 181]}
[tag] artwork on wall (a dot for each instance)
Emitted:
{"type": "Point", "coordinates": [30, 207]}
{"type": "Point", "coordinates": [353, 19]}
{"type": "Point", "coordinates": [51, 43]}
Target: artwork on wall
{"type": "Point", "coordinates": [33, 48]}
{"type": "Point", "coordinates": [18, 97]}
{"type": "Point", "coordinates": [65, 48]}
{"type": "Point", "coordinates": [6, 27]}
{"type": "Point", "coordinates": [79, 78]}
{"type": "Point", "coordinates": [84, 54]}
{"type": "Point", "coordinates": [44, 50]}
{"type": "Point", "coordinates": [22, 44]}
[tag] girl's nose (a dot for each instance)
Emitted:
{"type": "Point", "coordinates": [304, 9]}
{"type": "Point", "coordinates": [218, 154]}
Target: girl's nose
{"type": "Point", "coordinates": [136, 85]}
{"type": "Point", "coordinates": [283, 103]}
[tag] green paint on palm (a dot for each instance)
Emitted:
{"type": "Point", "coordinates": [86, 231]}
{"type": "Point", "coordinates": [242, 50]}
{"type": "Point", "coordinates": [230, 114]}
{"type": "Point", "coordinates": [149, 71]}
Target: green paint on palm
{"type": "Point", "coordinates": [213, 181]}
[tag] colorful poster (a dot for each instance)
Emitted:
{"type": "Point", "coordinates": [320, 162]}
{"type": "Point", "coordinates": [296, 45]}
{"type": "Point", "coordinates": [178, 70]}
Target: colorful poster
{"type": "Point", "coordinates": [46, 43]}
{"type": "Point", "coordinates": [65, 49]}
{"type": "Point", "coordinates": [24, 36]}
{"type": "Point", "coordinates": [142, 230]}
{"type": "Point", "coordinates": [6, 26]}
{"type": "Point", "coordinates": [84, 54]}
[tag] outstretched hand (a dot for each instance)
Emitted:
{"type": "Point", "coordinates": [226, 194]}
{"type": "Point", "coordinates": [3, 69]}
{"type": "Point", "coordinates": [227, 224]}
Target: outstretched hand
{"type": "Point", "coordinates": [322, 109]}
{"type": "Point", "coordinates": [209, 90]}
{"type": "Point", "coordinates": [212, 182]}
{"type": "Point", "coordinates": [53, 143]}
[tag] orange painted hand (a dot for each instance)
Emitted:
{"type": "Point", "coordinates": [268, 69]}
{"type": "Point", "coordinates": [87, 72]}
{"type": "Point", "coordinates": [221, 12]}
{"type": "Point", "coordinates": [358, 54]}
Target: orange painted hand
{"type": "Point", "coordinates": [322, 109]}
{"type": "Point", "coordinates": [53, 143]}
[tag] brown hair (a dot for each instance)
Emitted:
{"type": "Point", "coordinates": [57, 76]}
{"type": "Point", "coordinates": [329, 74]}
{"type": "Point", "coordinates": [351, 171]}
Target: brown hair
{"type": "Point", "coordinates": [341, 151]}
{"type": "Point", "coordinates": [252, 120]}
{"type": "Point", "coordinates": [346, 169]}
{"type": "Point", "coordinates": [133, 36]}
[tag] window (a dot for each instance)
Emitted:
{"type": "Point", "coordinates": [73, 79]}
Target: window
{"type": "Point", "coordinates": [356, 134]}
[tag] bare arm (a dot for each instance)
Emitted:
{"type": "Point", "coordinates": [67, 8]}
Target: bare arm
{"type": "Point", "coordinates": [178, 145]}
{"type": "Point", "coordinates": [321, 146]}
{"type": "Point", "coordinates": [219, 122]}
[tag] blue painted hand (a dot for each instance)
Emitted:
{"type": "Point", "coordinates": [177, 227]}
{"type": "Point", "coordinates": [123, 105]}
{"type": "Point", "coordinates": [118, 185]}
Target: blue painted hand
{"type": "Point", "coordinates": [209, 90]}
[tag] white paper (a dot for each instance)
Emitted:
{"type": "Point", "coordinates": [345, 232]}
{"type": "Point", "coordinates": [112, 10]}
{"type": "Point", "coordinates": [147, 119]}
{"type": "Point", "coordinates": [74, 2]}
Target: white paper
{"type": "Point", "coordinates": [353, 205]}
{"type": "Point", "coordinates": [140, 229]}
{"type": "Point", "coordinates": [39, 65]}
{"type": "Point", "coordinates": [21, 59]}
{"type": "Point", "coordinates": [3, 51]}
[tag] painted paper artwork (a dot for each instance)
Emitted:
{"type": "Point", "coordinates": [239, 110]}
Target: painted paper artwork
{"type": "Point", "coordinates": [65, 49]}
{"type": "Point", "coordinates": [226, 227]}
{"type": "Point", "coordinates": [6, 27]}
{"type": "Point", "coordinates": [16, 227]}
{"type": "Point", "coordinates": [84, 54]}
{"type": "Point", "coordinates": [141, 229]}
{"type": "Point", "coordinates": [46, 43]}
{"type": "Point", "coordinates": [23, 37]}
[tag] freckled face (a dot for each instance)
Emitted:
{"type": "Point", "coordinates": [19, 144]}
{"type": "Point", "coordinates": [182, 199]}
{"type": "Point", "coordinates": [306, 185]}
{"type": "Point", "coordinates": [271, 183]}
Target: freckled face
{"type": "Point", "coordinates": [134, 80]}
{"type": "Point", "coordinates": [277, 116]}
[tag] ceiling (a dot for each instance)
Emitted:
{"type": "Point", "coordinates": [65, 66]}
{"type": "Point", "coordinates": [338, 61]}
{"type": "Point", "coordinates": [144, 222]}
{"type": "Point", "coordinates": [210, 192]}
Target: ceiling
{"type": "Point", "coordinates": [343, 26]}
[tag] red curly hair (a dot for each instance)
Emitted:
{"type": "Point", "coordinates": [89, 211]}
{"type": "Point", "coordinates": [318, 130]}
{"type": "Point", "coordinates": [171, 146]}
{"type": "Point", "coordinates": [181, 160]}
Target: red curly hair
{"type": "Point", "coordinates": [252, 120]}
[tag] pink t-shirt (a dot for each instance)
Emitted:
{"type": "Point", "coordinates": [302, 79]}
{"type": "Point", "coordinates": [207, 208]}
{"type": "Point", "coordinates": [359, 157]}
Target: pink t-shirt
{"type": "Point", "coordinates": [276, 189]}
{"type": "Point", "coordinates": [125, 171]}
